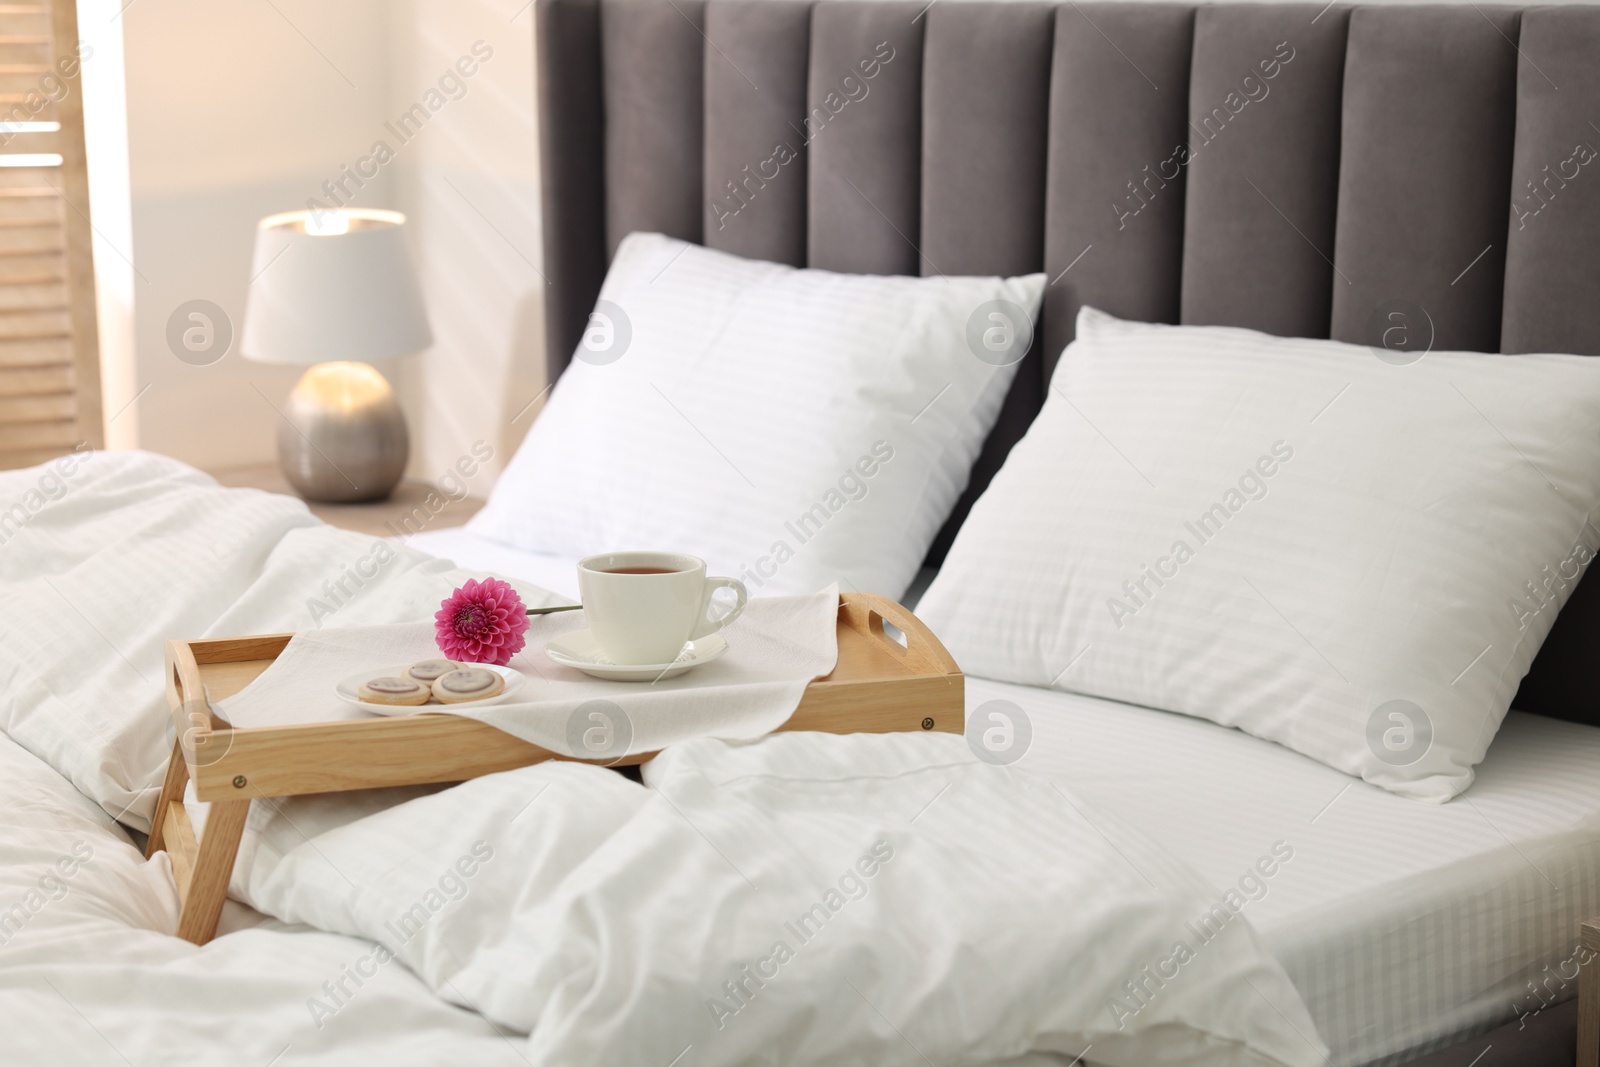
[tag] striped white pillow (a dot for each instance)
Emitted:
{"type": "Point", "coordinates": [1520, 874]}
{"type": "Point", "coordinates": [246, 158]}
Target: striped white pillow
{"type": "Point", "coordinates": [1356, 559]}
{"type": "Point", "coordinates": [792, 427]}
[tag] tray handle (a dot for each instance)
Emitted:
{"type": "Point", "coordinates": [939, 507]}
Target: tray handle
{"type": "Point", "coordinates": [867, 612]}
{"type": "Point", "coordinates": [188, 702]}
{"type": "Point", "coordinates": [183, 685]}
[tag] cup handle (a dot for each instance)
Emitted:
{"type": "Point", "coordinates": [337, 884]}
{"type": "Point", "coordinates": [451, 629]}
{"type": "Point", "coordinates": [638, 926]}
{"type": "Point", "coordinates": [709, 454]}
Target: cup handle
{"type": "Point", "coordinates": [706, 627]}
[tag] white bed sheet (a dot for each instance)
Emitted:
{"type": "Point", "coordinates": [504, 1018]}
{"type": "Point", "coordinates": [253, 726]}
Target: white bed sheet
{"type": "Point", "coordinates": [1402, 923]}
{"type": "Point", "coordinates": [1405, 925]}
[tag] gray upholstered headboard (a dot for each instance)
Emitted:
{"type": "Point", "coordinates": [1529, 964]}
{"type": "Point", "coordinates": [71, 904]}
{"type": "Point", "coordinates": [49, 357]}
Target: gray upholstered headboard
{"type": "Point", "coordinates": [1295, 169]}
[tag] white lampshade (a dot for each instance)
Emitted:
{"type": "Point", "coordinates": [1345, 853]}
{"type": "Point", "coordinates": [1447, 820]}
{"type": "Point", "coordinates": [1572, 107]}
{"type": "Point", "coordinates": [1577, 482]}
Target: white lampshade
{"type": "Point", "coordinates": [333, 285]}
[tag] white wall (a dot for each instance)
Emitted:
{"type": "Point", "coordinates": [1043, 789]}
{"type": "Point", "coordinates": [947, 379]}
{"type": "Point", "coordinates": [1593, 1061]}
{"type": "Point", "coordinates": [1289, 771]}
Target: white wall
{"type": "Point", "coordinates": [105, 121]}
{"type": "Point", "coordinates": [469, 183]}
{"type": "Point", "coordinates": [239, 108]}
{"type": "Point", "coordinates": [236, 109]}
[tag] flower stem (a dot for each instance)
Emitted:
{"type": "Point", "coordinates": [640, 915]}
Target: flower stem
{"type": "Point", "coordinates": [552, 611]}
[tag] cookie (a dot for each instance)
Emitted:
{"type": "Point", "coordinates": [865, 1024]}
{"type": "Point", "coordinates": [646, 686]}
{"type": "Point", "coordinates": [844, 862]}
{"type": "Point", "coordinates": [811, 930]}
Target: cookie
{"type": "Point", "coordinates": [428, 671]}
{"type": "Point", "coordinates": [392, 690]}
{"type": "Point", "coordinates": [468, 683]}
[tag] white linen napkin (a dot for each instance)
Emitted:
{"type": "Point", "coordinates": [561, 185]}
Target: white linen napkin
{"type": "Point", "coordinates": [775, 649]}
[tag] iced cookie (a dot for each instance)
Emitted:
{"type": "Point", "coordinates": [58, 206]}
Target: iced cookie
{"type": "Point", "coordinates": [428, 671]}
{"type": "Point", "coordinates": [403, 691]}
{"type": "Point", "coordinates": [468, 683]}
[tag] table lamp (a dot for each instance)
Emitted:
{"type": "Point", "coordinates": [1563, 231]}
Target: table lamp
{"type": "Point", "coordinates": [335, 291]}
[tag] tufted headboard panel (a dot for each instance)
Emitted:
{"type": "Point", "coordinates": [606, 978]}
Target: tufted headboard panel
{"type": "Point", "coordinates": [1302, 170]}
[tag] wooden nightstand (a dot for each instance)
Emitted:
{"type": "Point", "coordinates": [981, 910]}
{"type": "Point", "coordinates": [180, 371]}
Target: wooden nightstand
{"type": "Point", "coordinates": [413, 507]}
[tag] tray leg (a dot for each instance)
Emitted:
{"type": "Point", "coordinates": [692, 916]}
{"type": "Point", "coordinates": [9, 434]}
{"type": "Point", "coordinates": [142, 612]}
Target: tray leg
{"type": "Point", "coordinates": [213, 866]}
{"type": "Point", "coordinates": [172, 788]}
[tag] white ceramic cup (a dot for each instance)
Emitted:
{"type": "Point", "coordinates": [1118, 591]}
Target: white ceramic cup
{"type": "Point", "coordinates": [643, 607]}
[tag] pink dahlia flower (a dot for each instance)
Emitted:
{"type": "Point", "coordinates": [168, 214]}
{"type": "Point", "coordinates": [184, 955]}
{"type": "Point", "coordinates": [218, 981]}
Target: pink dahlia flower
{"type": "Point", "coordinates": [482, 622]}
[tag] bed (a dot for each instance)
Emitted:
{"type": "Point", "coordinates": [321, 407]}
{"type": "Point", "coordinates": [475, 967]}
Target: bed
{"type": "Point", "coordinates": [1405, 928]}
{"type": "Point", "coordinates": [1379, 174]}
{"type": "Point", "coordinates": [1441, 920]}
{"type": "Point", "coordinates": [1405, 925]}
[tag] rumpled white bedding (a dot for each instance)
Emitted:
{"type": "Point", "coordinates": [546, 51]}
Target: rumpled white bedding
{"type": "Point", "coordinates": [90, 975]}
{"type": "Point", "coordinates": [135, 549]}
{"type": "Point", "coordinates": [808, 898]}
{"type": "Point", "coordinates": [799, 899]}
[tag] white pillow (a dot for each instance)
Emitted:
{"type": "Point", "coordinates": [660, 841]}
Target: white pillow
{"type": "Point", "coordinates": [1355, 559]}
{"type": "Point", "coordinates": [793, 427]}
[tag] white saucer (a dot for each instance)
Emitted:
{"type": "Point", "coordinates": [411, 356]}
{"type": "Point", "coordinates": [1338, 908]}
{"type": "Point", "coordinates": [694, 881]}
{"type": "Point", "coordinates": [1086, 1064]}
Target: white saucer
{"type": "Point", "coordinates": [581, 651]}
{"type": "Point", "coordinates": [349, 690]}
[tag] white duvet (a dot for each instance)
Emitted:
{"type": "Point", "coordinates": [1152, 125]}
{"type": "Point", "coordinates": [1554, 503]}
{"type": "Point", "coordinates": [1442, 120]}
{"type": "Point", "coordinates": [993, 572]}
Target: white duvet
{"type": "Point", "coordinates": [807, 898]}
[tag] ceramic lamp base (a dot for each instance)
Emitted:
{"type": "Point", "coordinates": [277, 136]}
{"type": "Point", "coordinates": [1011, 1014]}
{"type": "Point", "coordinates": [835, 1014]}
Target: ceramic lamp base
{"type": "Point", "coordinates": [344, 439]}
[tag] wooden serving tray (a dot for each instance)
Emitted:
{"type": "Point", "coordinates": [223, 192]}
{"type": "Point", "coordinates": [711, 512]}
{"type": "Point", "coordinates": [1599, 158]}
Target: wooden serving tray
{"type": "Point", "coordinates": [878, 685]}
